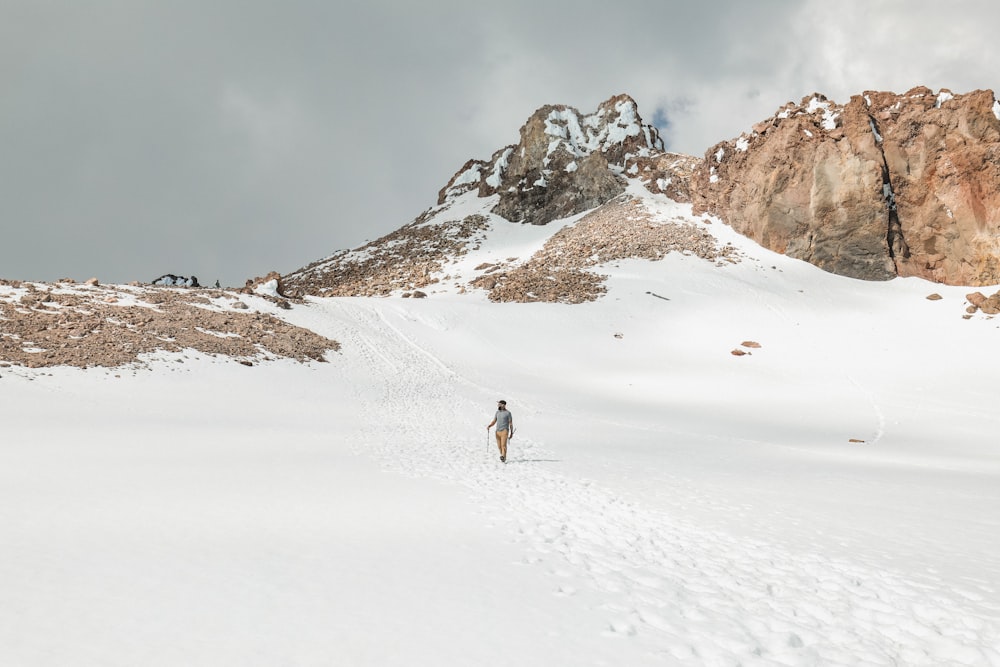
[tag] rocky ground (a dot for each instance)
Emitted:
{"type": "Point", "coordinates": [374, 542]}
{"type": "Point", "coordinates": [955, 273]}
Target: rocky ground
{"type": "Point", "coordinates": [415, 257]}
{"type": "Point", "coordinates": [85, 325]}
{"type": "Point", "coordinates": [409, 258]}
{"type": "Point", "coordinates": [561, 272]}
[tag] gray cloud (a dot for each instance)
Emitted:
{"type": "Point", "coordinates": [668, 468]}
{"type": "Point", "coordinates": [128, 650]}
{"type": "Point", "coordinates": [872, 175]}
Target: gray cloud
{"type": "Point", "coordinates": [226, 139]}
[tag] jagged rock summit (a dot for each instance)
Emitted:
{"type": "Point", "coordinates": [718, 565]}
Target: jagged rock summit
{"type": "Point", "coordinates": [567, 162]}
{"type": "Point", "coordinates": [886, 185]}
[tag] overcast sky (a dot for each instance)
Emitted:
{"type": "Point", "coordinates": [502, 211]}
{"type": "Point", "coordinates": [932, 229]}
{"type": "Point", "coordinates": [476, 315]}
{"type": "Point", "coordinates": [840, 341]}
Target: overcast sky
{"type": "Point", "coordinates": [228, 138]}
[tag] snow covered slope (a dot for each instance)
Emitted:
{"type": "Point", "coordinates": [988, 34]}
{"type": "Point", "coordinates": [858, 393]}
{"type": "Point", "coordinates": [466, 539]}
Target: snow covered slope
{"type": "Point", "coordinates": [829, 497]}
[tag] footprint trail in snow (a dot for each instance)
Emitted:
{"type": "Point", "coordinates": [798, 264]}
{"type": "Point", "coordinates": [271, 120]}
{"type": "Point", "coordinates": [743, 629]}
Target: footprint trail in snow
{"type": "Point", "coordinates": [689, 595]}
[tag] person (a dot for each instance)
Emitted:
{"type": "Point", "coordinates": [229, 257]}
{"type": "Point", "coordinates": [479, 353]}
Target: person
{"type": "Point", "coordinates": [505, 428]}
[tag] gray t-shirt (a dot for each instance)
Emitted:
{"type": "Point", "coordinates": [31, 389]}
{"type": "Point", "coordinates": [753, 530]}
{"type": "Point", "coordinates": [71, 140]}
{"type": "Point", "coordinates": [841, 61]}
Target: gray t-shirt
{"type": "Point", "coordinates": [503, 418]}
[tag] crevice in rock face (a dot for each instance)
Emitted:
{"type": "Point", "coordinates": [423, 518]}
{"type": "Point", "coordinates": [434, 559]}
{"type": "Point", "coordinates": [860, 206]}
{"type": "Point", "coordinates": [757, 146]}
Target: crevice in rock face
{"type": "Point", "coordinates": [898, 249]}
{"type": "Point", "coordinates": [894, 235]}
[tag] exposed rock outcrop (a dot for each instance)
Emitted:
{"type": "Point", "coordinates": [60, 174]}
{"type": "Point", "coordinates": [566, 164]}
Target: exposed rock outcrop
{"type": "Point", "coordinates": [565, 162]}
{"type": "Point", "coordinates": [171, 280]}
{"type": "Point", "coordinates": [270, 285]}
{"type": "Point", "coordinates": [885, 185]}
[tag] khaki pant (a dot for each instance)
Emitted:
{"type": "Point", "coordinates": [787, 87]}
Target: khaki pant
{"type": "Point", "coordinates": [502, 442]}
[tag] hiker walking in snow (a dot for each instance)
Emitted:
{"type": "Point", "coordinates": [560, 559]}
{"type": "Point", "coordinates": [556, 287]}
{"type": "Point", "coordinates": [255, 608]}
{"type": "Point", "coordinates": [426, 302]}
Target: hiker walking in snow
{"type": "Point", "coordinates": [505, 428]}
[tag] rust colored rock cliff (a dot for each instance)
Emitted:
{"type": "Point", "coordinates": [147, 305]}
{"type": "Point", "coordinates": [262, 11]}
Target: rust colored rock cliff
{"type": "Point", "coordinates": [885, 185]}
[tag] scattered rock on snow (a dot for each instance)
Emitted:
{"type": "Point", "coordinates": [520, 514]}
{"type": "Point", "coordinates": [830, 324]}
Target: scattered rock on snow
{"type": "Point", "coordinates": [989, 305]}
{"type": "Point", "coordinates": [406, 259]}
{"type": "Point", "coordinates": [621, 229]}
{"type": "Point", "coordinates": [64, 325]}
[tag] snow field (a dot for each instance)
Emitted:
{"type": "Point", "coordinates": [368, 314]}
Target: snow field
{"type": "Point", "coordinates": [664, 501]}
{"type": "Point", "coordinates": [674, 588]}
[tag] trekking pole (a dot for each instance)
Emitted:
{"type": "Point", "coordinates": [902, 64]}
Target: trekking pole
{"type": "Point", "coordinates": [487, 440]}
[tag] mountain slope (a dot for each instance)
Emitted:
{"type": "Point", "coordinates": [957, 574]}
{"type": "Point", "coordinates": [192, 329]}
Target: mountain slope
{"type": "Point", "coordinates": [886, 185]}
{"type": "Point", "coordinates": [565, 164]}
{"type": "Point", "coordinates": [450, 249]}
{"type": "Point", "coordinates": [723, 455]}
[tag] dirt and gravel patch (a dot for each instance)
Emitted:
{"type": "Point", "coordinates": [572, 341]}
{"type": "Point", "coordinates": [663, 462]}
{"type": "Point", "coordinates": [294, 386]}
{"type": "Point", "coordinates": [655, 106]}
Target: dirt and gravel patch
{"type": "Point", "coordinates": [410, 258]}
{"type": "Point", "coordinates": [561, 272]}
{"type": "Point", "coordinates": [45, 325]}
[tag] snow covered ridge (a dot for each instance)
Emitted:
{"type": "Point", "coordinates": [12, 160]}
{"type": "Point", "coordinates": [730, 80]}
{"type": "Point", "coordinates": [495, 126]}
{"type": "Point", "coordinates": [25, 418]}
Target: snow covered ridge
{"type": "Point", "coordinates": [825, 114]}
{"type": "Point", "coordinates": [462, 248]}
{"type": "Point", "coordinates": [612, 124]}
{"type": "Point", "coordinates": [64, 324]}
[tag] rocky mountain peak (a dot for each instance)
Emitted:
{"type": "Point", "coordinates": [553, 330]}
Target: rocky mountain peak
{"type": "Point", "coordinates": [885, 185]}
{"type": "Point", "coordinates": [565, 162]}
{"type": "Point", "coordinates": [558, 135]}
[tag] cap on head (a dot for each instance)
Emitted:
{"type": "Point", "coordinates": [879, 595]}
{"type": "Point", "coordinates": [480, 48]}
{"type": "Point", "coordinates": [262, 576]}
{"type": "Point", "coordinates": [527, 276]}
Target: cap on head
{"type": "Point", "coordinates": [502, 402]}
